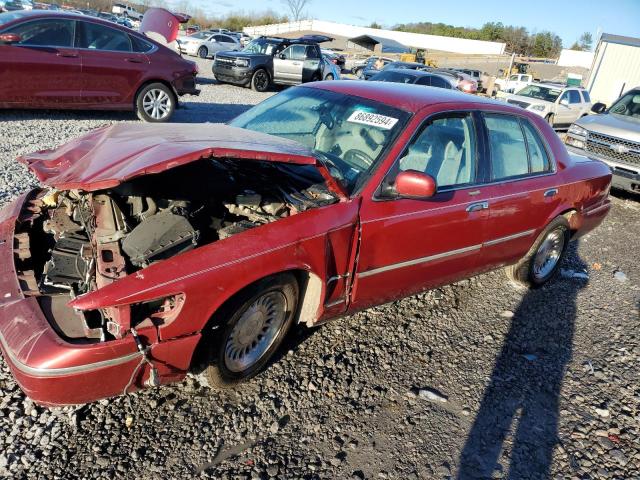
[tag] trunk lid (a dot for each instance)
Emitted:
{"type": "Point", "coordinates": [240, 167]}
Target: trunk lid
{"type": "Point", "coordinates": [162, 25]}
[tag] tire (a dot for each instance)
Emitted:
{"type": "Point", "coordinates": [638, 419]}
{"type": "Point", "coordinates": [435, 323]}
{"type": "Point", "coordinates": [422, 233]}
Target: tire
{"type": "Point", "coordinates": [203, 52]}
{"type": "Point", "coordinates": [358, 72]}
{"type": "Point", "coordinates": [550, 119]}
{"type": "Point", "coordinates": [542, 261]}
{"type": "Point", "coordinates": [159, 96]}
{"type": "Point", "coordinates": [260, 80]}
{"type": "Point", "coordinates": [329, 76]}
{"type": "Point", "coordinates": [239, 349]}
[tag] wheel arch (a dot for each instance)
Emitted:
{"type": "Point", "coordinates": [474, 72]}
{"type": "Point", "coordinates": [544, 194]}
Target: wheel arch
{"type": "Point", "coordinates": [149, 82]}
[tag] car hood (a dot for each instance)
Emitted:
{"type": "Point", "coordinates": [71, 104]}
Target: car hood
{"type": "Point", "coordinates": [529, 100]}
{"type": "Point", "coordinates": [112, 155]}
{"type": "Point", "coordinates": [615, 125]}
{"type": "Point", "coordinates": [162, 25]}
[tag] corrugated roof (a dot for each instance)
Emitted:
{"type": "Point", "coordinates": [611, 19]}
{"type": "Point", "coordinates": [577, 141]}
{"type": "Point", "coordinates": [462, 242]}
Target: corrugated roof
{"type": "Point", "coordinates": [607, 37]}
{"type": "Point", "coordinates": [388, 45]}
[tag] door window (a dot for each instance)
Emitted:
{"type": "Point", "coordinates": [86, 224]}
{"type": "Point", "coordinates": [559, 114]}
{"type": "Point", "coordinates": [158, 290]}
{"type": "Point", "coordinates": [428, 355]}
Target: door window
{"type": "Point", "coordinates": [99, 37]}
{"type": "Point", "coordinates": [586, 96]}
{"type": "Point", "coordinates": [440, 82]}
{"type": "Point", "coordinates": [46, 33]}
{"type": "Point", "coordinates": [223, 39]}
{"type": "Point", "coordinates": [564, 96]}
{"type": "Point", "coordinates": [312, 53]}
{"type": "Point", "coordinates": [574, 96]}
{"type": "Point", "coordinates": [446, 150]}
{"type": "Point", "coordinates": [426, 80]}
{"type": "Point", "coordinates": [507, 146]}
{"type": "Point", "coordinates": [294, 52]}
{"type": "Point", "coordinates": [538, 157]}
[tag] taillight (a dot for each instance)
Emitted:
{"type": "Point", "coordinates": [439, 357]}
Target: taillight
{"type": "Point", "coordinates": [196, 70]}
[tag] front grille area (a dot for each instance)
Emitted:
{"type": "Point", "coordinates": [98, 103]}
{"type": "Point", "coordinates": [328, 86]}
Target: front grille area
{"type": "Point", "coordinates": [616, 149]}
{"type": "Point", "coordinates": [518, 103]}
{"type": "Point", "coordinates": [225, 61]}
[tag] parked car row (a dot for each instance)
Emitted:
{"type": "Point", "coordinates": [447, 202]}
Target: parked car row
{"type": "Point", "coordinates": [92, 63]}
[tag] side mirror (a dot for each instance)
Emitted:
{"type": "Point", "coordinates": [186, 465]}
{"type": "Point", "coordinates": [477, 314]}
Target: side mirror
{"type": "Point", "coordinates": [564, 102]}
{"type": "Point", "coordinates": [9, 38]}
{"type": "Point", "coordinates": [598, 107]}
{"type": "Point", "coordinates": [414, 184]}
{"type": "Point", "coordinates": [282, 56]}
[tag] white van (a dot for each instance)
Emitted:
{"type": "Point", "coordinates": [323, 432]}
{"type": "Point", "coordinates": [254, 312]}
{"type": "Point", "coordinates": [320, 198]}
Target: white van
{"type": "Point", "coordinates": [126, 10]}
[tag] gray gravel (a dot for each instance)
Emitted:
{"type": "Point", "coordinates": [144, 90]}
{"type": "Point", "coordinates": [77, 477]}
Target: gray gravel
{"type": "Point", "coordinates": [475, 380]}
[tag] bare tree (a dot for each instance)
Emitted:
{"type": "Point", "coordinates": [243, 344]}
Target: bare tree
{"type": "Point", "coordinates": [296, 7]}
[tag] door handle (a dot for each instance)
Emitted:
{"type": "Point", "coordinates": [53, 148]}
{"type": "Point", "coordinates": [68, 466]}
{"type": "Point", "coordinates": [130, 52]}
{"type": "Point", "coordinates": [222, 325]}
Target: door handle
{"type": "Point", "coordinates": [67, 54]}
{"type": "Point", "coordinates": [297, 63]}
{"type": "Point", "coordinates": [476, 207]}
{"type": "Point", "coordinates": [552, 192]}
{"type": "Point", "coordinates": [133, 60]}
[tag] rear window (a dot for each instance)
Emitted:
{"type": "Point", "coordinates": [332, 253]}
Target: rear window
{"type": "Point", "coordinates": [7, 17]}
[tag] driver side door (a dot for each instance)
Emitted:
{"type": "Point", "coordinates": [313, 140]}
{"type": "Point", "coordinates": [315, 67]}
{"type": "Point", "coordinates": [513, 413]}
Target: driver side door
{"type": "Point", "coordinates": [410, 245]}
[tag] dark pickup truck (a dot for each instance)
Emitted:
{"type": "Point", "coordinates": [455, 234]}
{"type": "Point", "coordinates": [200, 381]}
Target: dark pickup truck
{"type": "Point", "coordinates": [272, 60]}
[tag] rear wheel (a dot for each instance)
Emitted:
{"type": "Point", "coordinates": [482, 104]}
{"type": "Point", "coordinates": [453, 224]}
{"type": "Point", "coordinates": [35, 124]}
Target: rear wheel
{"type": "Point", "coordinates": [155, 103]}
{"type": "Point", "coordinates": [260, 80]}
{"type": "Point", "coordinates": [542, 261]}
{"type": "Point", "coordinates": [358, 72]}
{"type": "Point", "coordinates": [252, 329]}
{"type": "Point", "coordinates": [329, 76]}
{"type": "Point", "coordinates": [203, 52]}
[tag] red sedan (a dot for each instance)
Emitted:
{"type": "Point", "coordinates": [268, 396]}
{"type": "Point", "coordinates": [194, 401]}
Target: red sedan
{"type": "Point", "coordinates": [150, 244]}
{"type": "Point", "coordinates": [58, 60]}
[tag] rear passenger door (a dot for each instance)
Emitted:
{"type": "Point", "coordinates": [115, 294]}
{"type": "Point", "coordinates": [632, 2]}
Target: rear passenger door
{"type": "Point", "coordinates": [521, 188]}
{"type": "Point", "coordinates": [112, 69]}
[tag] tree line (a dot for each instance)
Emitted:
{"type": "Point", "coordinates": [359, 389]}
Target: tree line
{"type": "Point", "coordinates": [517, 39]}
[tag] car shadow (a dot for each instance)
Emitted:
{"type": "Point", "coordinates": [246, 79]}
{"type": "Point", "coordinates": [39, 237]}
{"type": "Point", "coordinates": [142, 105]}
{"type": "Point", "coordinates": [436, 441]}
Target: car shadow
{"type": "Point", "coordinates": [517, 423]}
{"type": "Point", "coordinates": [189, 112]}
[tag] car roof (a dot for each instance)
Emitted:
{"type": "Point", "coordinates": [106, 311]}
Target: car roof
{"type": "Point", "coordinates": [30, 14]}
{"type": "Point", "coordinates": [411, 98]}
{"type": "Point", "coordinates": [415, 73]}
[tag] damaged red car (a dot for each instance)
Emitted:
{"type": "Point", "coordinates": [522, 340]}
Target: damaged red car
{"type": "Point", "coordinates": [148, 244]}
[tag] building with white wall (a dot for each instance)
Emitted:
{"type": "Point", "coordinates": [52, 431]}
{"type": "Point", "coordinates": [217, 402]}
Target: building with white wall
{"type": "Point", "coordinates": [575, 58]}
{"type": "Point", "coordinates": [411, 40]}
{"type": "Point", "coordinates": [615, 68]}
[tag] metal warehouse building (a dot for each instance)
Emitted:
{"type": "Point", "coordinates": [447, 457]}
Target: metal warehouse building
{"type": "Point", "coordinates": [615, 69]}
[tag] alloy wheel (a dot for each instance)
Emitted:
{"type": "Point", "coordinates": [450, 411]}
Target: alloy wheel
{"type": "Point", "coordinates": [156, 103]}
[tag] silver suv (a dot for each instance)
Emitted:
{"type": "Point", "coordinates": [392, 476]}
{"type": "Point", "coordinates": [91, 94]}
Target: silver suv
{"type": "Point", "coordinates": [612, 136]}
{"type": "Point", "coordinates": [559, 105]}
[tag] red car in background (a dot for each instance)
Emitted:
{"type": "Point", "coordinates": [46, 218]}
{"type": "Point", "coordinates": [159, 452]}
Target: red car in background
{"type": "Point", "coordinates": [152, 243]}
{"type": "Point", "coordinates": [59, 60]}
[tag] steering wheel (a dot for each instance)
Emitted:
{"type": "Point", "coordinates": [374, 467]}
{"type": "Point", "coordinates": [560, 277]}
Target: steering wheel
{"type": "Point", "coordinates": [358, 157]}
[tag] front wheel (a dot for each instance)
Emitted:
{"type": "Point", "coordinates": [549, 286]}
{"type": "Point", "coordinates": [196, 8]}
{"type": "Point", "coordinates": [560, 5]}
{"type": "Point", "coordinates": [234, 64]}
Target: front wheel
{"type": "Point", "coordinates": [260, 80]}
{"type": "Point", "coordinates": [253, 327]}
{"type": "Point", "coordinates": [542, 261]}
{"type": "Point", "coordinates": [358, 72]}
{"type": "Point", "coordinates": [155, 103]}
{"type": "Point", "coordinates": [203, 52]}
{"type": "Point", "coordinates": [550, 119]}
{"type": "Point", "coordinates": [329, 76]}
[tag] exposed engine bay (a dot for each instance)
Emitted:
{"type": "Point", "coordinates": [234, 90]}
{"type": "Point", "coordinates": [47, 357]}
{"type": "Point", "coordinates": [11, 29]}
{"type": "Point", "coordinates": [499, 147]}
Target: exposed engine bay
{"type": "Point", "coordinates": [74, 242]}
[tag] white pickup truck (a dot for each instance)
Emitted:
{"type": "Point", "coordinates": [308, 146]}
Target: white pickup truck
{"type": "Point", "coordinates": [126, 11]}
{"type": "Point", "coordinates": [513, 83]}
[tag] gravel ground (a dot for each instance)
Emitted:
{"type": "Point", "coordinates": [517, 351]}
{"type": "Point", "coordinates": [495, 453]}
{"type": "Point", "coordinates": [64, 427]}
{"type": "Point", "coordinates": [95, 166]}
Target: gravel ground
{"type": "Point", "coordinates": [474, 380]}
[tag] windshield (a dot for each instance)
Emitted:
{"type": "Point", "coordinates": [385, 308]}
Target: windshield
{"type": "Point", "coordinates": [394, 76]}
{"type": "Point", "coordinates": [7, 17]}
{"type": "Point", "coordinates": [627, 105]}
{"type": "Point", "coordinates": [261, 45]}
{"type": "Point", "coordinates": [200, 35]}
{"type": "Point", "coordinates": [347, 133]}
{"type": "Point", "coordinates": [547, 94]}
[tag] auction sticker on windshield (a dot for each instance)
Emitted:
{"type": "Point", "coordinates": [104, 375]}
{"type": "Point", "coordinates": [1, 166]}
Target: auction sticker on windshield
{"type": "Point", "coordinates": [372, 119]}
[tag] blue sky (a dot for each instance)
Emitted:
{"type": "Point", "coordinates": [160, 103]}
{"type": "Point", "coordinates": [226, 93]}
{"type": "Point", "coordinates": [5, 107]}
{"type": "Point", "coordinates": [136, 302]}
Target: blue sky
{"type": "Point", "coordinates": [568, 18]}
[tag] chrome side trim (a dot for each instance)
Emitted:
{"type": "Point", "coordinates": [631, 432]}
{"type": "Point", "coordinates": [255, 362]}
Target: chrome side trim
{"type": "Point", "coordinates": [509, 237]}
{"type": "Point", "coordinates": [417, 261]}
{"type": "Point", "coordinates": [597, 209]}
{"type": "Point", "coordinates": [58, 372]}
{"type": "Point", "coordinates": [335, 302]}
